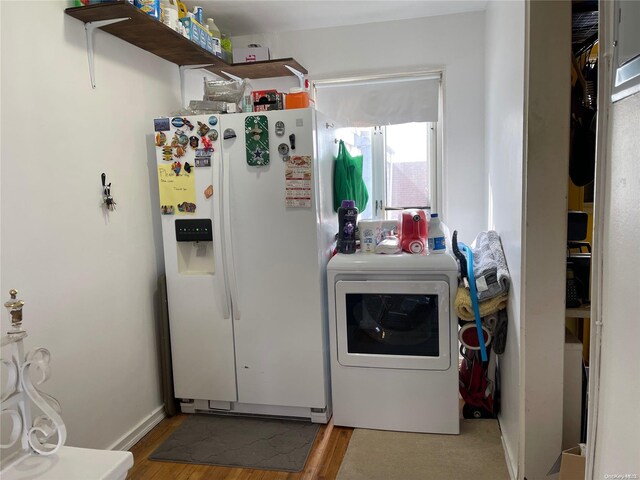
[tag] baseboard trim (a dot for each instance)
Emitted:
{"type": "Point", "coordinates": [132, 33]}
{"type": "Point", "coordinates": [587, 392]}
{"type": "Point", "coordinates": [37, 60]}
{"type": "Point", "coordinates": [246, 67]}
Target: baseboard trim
{"type": "Point", "coordinates": [507, 458]}
{"type": "Point", "coordinates": [132, 437]}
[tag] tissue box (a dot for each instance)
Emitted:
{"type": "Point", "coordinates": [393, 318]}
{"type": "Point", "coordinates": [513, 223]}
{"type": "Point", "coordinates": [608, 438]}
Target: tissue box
{"type": "Point", "coordinates": [198, 34]}
{"type": "Point", "coordinates": [250, 54]}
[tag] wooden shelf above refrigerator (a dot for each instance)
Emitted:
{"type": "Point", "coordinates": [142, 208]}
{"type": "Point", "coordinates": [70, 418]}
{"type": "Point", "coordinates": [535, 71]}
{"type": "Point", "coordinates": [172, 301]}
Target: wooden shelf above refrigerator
{"type": "Point", "coordinates": [149, 34]}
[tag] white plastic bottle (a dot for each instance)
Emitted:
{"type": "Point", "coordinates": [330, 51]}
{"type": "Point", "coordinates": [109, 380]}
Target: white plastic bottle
{"type": "Point", "coordinates": [217, 37]}
{"type": "Point", "coordinates": [169, 14]}
{"type": "Point", "coordinates": [436, 238]}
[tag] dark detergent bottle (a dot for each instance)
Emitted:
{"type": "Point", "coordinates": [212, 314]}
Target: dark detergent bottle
{"type": "Point", "coordinates": [347, 218]}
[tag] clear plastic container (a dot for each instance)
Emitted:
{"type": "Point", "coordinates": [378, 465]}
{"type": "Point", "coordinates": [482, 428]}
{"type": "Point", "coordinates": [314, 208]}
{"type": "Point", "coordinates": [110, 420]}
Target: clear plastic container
{"type": "Point", "coordinates": [296, 98]}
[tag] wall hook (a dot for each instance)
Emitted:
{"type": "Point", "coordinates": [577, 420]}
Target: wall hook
{"type": "Point", "coordinates": [107, 200]}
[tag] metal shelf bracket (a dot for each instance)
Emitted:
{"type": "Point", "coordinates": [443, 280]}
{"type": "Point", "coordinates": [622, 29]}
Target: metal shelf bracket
{"type": "Point", "coordinates": [232, 77]}
{"type": "Point", "coordinates": [298, 74]}
{"type": "Point", "coordinates": [89, 29]}
{"type": "Point", "coordinates": [183, 69]}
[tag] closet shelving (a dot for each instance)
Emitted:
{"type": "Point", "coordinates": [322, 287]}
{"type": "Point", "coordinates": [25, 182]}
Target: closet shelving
{"type": "Point", "coordinates": [149, 34]}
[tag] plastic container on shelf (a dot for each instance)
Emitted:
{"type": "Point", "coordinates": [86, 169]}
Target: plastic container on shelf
{"type": "Point", "coordinates": [197, 12]}
{"type": "Point", "coordinates": [150, 7]}
{"type": "Point", "coordinates": [247, 99]}
{"type": "Point", "coordinates": [436, 239]}
{"type": "Point", "coordinates": [217, 37]}
{"type": "Point", "coordinates": [347, 218]}
{"type": "Point", "coordinates": [169, 14]}
{"type": "Point", "coordinates": [296, 98]}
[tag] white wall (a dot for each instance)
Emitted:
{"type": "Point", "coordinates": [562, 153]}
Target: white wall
{"type": "Point", "coordinates": [455, 42]}
{"type": "Point", "coordinates": [617, 437]}
{"type": "Point", "coordinates": [88, 278]}
{"type": "Point", "coordinates": [505, 65]}
{"type": "Point", "coordinates": [544, 225]}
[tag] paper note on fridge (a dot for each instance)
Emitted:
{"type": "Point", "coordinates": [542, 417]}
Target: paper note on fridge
{"type": "Point", "coordinates": [177, 189]}
{"type": "Point", "coordinates": [298, 182]}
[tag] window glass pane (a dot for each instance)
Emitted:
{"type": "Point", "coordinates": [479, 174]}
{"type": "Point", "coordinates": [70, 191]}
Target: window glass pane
{"type": "Point", "coordinates": [392, 324]}
{"type": "Point", "coordinates": [406, 165]}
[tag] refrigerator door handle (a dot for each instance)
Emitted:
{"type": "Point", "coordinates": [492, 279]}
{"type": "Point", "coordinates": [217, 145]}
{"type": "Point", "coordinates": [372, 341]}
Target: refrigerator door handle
{"type": "Point", "coordinates": [221, 223]}
{"type": "Point", "coordinates": [228, 245]}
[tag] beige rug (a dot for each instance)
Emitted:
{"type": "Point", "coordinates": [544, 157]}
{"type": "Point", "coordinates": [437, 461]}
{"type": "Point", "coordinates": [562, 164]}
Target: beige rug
{"type": "Point", "coordinates": [476, 453]}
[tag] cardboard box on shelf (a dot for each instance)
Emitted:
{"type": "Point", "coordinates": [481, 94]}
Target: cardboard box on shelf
{"type": "Point", "coordinates": [250, 54]}
{"type": "Point", "coordinates": [266, 100]}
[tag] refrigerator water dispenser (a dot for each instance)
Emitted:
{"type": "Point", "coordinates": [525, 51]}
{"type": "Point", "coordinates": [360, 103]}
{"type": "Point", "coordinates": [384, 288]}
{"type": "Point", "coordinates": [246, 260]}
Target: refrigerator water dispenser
{"type": "Point", "coordinates": [194, 240]}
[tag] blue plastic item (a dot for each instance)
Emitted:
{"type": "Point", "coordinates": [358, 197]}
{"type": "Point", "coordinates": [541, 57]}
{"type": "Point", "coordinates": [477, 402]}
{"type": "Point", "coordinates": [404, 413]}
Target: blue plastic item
{"type": "Point", "coordinates": [474, 299]}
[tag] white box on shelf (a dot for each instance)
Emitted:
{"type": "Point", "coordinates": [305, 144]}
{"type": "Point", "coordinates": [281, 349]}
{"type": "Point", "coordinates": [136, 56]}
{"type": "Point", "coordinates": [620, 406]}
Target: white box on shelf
{"type": "Point", "coordinates": [250, 54]}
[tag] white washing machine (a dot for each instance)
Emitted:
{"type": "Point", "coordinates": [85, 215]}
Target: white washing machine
{"type": "Point", "coordinates": [394, 343]}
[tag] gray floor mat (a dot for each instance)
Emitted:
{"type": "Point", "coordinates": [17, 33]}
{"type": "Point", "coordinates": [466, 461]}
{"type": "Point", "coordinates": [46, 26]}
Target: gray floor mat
{"type": "Point", "coordinates": [263, 443]}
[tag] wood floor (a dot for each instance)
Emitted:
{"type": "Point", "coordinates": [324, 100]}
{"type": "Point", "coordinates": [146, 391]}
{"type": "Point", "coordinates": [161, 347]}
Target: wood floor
{"type": "Point", "coordinates": [323, 462]}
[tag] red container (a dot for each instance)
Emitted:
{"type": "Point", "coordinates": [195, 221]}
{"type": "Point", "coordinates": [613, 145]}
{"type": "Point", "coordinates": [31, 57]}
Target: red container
{"type": "Point", "coordinates": [413, 231]}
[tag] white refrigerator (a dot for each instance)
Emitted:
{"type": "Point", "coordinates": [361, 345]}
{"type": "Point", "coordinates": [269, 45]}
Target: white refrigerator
{"type": "Point", "coordinates": [247, 231]}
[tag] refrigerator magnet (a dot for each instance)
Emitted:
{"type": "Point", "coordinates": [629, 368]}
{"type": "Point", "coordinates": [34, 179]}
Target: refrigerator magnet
{"type": "Point", "coordinates": [283, 149]}
{"type": "Point", "coordinates": [187, 207]}
{"type": "Point", "coordinates": [182, 138]}
{"type": "Point", "coordinates": [161, 124]}
{"type": "Point", "coordinates": [188, 123]}
{"type": "Point", "coordinates": [177, 122]}
{"type": "Point", "coordinates": [256, 132]}
{"type": "Point", "coordinates": [213, 135]}
{"type": "Point", "coordinates": [228, 133]}
{"type": "Point", "coordinates": [279, 128]}
{"type": "Point", "coordinates": [203, 129]}
{"type": "Point", "coordinates": [180, 151]}
{"type": "Point", "coordinates": [166, 209]}
{"type": "Point", "coordinates": [161, 139]}
{"type": "Point", "coordinates": [176, 167]}
{"type": "Point", "coordinates": [208, 192]}
{"type": "Point", "coordinates": [187, 167]}
{"type": "Point", "coordinates": [194, 141]}
{"type": "Point", "coordinates": [206, 143]}
{"type": "Point", "coordinates": [167, 153]}
{"type": "Point", "coordinates": [213, 120]}
{"type": "Point", "coordinates": [203, 157]}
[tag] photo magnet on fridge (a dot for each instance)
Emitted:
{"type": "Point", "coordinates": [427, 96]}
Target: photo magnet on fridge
{"type": "Point", "coordinates": [161, 124]}
{"type": "Point", "coordinates": [203, 157]}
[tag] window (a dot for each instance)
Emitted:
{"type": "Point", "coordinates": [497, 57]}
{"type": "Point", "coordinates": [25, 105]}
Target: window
{"type": "Point", "coordinates": [393, 122]}
{"type": "Point", "coordinates": [398, 164]}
